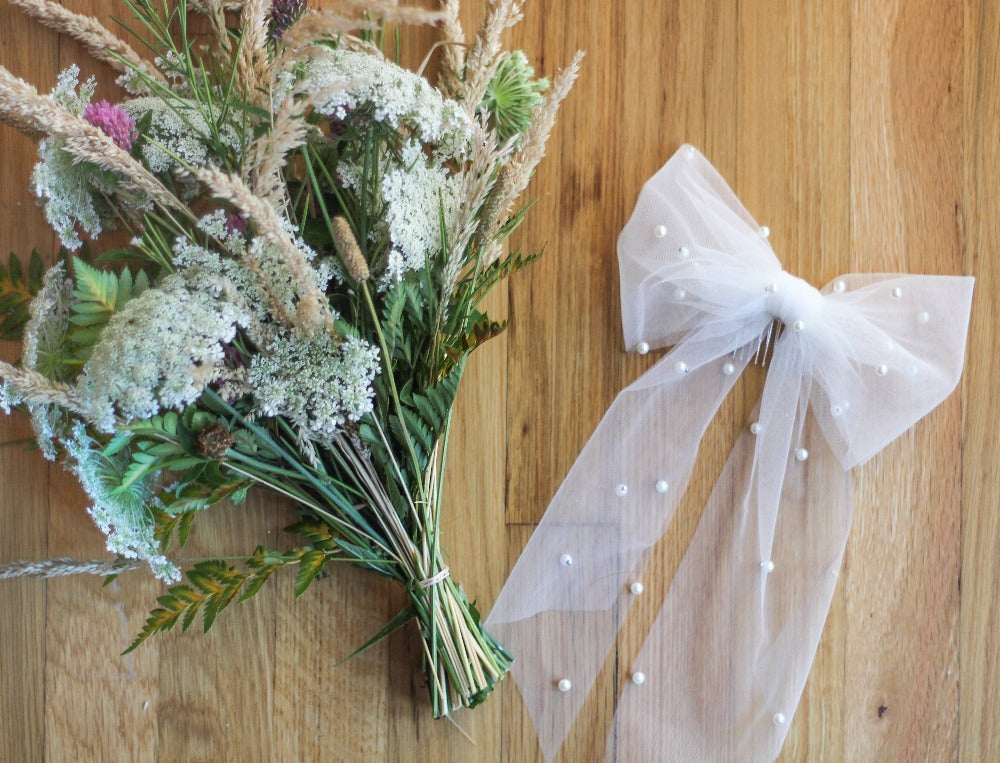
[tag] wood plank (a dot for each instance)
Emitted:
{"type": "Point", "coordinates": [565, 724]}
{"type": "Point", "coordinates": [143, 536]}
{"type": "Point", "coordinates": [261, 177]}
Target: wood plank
{"type": "Point", "coordinates": [979, 647]}
{"type": "Point", "coordinates": [24, 494]}
{"type": "Point", "coordinates": [903, 558]}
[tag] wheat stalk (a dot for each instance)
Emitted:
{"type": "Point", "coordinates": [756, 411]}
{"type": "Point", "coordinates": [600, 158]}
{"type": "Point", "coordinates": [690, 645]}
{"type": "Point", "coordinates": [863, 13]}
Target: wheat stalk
{"type": "Point", "coordinates": [23, 107]}
{"type": "Point", "coordinates": [313, 310]}
{"type": "Point", "coordinates": [484, 56]}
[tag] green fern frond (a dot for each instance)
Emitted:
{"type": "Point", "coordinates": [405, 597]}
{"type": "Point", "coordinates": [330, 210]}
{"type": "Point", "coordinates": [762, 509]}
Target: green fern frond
{"type": "Point", "coordinates": [99, 294]}
{"type": "Point", "coordinates": [213, 585]}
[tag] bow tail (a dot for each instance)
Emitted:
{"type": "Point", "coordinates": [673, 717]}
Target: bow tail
{"type": "Point", "coordinates": [728, 656]}
{"type": "Point", "coordinates": [561, 607]}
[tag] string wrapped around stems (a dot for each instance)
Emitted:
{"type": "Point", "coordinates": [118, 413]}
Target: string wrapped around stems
{"type": "Point", "coordinates": [852, 366]}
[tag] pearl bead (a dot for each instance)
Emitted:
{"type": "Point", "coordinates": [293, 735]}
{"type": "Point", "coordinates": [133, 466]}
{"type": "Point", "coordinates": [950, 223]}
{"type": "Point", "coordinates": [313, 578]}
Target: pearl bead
{"type": "Point", "coordinates": [681, 367]}
{"type": "Point", "coordinates": [636, 588]}
{"type": "Point", "coordinates": [679, 293]}
{"type": "Point", "coordinates": [638, 678]}
{"type": "Point", "coordinates": [756, 428]}
{"type": "Point", "coordinates": [660, 231]}
{"type": "Point", "coordinates": [798, 325]}
{"type": "Point", "coordinates": [801, 454]}
{"type": "Point", "coordinates": [839, 286]}
{"type": "Point", "coordinates": [622, 490]}
{"type": "Point", "coordinates": [565, 685]}
{"type": "Point", "coordinates": [779, 719]}
{"type": "Point", "coordinates": [896, 293]}
{"type": "Point", "coordinates": [684, 252]}
{"type": "Point", "coordinates": [836, 410]}
{"type": "Point", "coordinates": [763, 231]}
{"type": "Point", "coordinates": [566, 560]}
{"type": "Point", "coordinates": [728, 369]}
{"type": "Point", "coordinates": [767, 566]}
{"type": "Point", "coordinates": [923, 317]}
{"type": "Point", "coordinates": [662, 486]}
{"type": "Point", "coordinates": [882, 369]}
{"type": "Point", "coordinates": [771, 288]}
{"type": "Point", "coordinates": [690, 150]}
{"type": "Point", "coordinates": [642, 348]}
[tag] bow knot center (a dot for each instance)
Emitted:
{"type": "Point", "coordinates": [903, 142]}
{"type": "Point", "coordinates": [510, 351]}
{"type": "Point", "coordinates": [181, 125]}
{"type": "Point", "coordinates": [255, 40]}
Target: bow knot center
{"type": "Point", "coordinates": [792, 300]}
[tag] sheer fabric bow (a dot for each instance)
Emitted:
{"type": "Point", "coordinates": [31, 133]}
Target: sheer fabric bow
{"type": "Point", "coordinates": [851, 368]}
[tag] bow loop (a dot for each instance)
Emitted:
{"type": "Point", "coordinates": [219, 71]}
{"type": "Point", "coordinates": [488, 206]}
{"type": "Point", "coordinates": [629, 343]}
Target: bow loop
{"type": "Point", "coordinates": [891, 348]}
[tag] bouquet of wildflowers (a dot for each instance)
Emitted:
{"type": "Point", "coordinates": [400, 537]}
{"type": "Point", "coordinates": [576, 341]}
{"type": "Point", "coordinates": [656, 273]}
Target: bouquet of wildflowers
{"type": "Point", "coordinates": [312, 230]}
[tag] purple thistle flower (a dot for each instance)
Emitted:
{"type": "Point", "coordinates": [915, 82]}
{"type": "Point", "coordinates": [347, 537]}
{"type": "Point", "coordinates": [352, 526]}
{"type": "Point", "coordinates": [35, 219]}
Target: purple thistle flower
{"type": "Point", "coordinates": [114, 122]}
{"type": "Point", "coordinates": [284, 13]}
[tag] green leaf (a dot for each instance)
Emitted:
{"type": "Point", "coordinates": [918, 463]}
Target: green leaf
{"type": "Point", "coordinates": [309, 567]}
{"type": "Point", "coordinates": [405, 615]}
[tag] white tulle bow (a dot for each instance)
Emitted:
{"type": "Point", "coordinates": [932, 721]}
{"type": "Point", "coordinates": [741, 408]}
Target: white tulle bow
{"type": "Point", "coordinates": [851, 367]}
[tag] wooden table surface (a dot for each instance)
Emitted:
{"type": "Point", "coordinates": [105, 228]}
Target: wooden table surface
{"type": "Point", "coordinates": [866, 134]}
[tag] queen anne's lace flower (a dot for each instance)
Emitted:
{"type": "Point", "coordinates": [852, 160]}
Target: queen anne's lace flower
{"type": "Point", "coordinates": [64, 186]}
{"type": "Point", "coordinates": [159, 351]}
{"type": "Point", "coordinates": [43, 351]}
{"type": "Point", "coordinates": [316, 383]}
{"type": "Point", "coordinates": [397, 96]}
{"type": "Point", "coordinates": [176, 130]}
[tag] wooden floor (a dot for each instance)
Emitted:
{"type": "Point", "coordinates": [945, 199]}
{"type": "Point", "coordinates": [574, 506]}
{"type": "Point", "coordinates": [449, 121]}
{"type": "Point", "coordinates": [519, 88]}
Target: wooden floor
{"type": "Point", "coordinates": [866, 134]}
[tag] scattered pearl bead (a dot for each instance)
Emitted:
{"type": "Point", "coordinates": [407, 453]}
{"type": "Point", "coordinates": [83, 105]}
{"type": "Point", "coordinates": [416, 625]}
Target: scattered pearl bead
{"type": "Point", "coordinates": [690, 150]}
{"type": "Point", "coordinates": [681, 367]}
{"type": "Point", "coordinates": [565, 685]}
{"type": "Point", "coordinates": [923, 317]}
{"type": "Point", "coordinates": [638, 678]}
{"type": "Point", "coordinates": [801, 454]}
{"type": "Point", "coordinates": [839, 286]}
{"type": "Point", "coordinates": [763, 231]}
{"type": "Point", "coordinates": [896, 293]}
{"type": "Point", "coordinates": [642, 348]}
{"type": "Point", "coordinates": [882, 369]}
{"type": "Point", "coordinates": [798, 325]}
{"type": "Point", "coordinates": [779, 719]}
{"type": "Point", "coordinates": [767, 566]}
{"type": "Point", "coordinates": [728, 369]}
{"type": "Point", "coordinates": [679, 293]}
{"type": "Point", "coordinates": [836, 410]}
{"type": "Point", "coordinates": [636, 588]}
{"type": "Point", "coordinates": [756, 428]}
{"type": "Point", "coordinates": [684, 252]}
{"type": "Point", "coordinates": [566, 560]}
{"type": "Point", "coordinates": [771, 288]}
{"type": "Point", "coordinates": [622, 490]}
{"type": "Point", "coordinates": [660, 231]}
{"type": "Point", "coordinates": [662, 486]}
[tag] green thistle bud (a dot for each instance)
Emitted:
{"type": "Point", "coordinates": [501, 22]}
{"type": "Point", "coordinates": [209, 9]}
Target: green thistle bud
{"type": "Point", "coordinates": [512, 95]}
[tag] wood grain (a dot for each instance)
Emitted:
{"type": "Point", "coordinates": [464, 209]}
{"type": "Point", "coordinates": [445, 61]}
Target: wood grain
{"type": "Point", "coordinates": [866, 135]}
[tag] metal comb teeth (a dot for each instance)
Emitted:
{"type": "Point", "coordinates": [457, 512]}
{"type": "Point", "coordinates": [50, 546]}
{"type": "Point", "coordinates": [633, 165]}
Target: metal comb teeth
{"type": "Point", "coordinates": [760, 352]}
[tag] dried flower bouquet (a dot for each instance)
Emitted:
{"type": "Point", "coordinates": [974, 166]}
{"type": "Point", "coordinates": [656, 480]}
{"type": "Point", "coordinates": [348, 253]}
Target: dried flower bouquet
{"type": "Point", "coordinates": [313, 230]}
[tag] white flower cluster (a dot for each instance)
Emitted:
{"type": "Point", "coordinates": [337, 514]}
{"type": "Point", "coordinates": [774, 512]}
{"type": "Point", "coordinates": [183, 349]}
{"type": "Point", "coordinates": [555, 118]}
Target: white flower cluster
{"type": "Point", "coordinates": [417, 194]}
{"type": "Point", "coordinates": [121, 516]}
{"type": "Point", "coordinates": [64, 186]}
{"type": "Point", "coordinates": [44, 338]}
{"type": "Point", "coordinates": [176, 129]}
{"type": "Point", "coordinates": [399, 98]}
{"type": "Point", "coordinates": [317, 384]}
{"type": "Point", "coordinates": [222, 268]}
{"type": "Point", "coordinates": [159, 351]}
